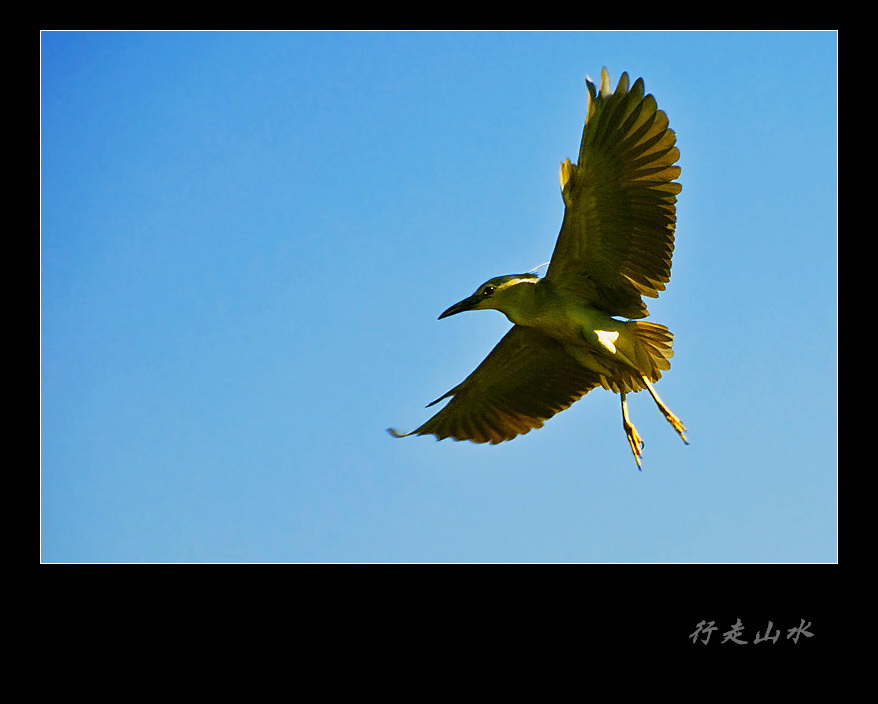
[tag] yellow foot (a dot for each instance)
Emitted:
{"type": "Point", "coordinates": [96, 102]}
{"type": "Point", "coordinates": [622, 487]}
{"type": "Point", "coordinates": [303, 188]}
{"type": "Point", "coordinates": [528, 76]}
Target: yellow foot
{"type": "Point", "coordinates": [671, 418]}
{"type": "Point", "coordinates": [677, 425]}
{"type": "Point", "coordinates": [635, 441]}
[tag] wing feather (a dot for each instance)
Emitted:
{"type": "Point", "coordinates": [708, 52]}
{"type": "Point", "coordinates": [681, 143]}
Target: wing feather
{"type": "Point", "coordinates": [526, 379]}
{"type": "Point", "coordinates": [617, 237]}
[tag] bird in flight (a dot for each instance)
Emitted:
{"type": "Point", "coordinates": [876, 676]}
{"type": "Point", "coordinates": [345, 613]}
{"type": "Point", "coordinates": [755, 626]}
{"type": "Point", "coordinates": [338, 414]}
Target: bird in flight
{"type": "Point", "coordinates": [580, 326]}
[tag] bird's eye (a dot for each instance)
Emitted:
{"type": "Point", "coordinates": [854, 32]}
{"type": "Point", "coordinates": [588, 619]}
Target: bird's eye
{"type": "Point", "coordinates": [488, 290]}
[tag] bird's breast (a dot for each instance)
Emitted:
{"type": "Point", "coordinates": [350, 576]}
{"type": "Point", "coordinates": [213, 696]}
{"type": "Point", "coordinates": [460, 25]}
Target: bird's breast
{"type": "Point", "coordinates": [574, 325]}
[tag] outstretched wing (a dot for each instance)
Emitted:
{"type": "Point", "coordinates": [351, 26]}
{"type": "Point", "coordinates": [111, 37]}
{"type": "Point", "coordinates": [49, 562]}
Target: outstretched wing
{"type": "Point", "coordinates": [526, 379]}
{"type": "Point", "coordinates": [617, 236]}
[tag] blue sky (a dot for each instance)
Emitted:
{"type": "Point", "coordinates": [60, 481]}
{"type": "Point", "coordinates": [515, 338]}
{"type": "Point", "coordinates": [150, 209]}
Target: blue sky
{"type": "Point", "coordinates": [246, 239]}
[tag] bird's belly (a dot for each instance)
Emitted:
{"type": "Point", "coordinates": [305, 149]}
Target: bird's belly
{"type": "Point", "coordinates": [581, 327]}
{"type": "Point", "coordinates": [590, 336]}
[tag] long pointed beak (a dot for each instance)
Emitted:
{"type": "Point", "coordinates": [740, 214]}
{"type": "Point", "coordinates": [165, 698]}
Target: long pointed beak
{"type": "Point", "coordinates": [465, 304]}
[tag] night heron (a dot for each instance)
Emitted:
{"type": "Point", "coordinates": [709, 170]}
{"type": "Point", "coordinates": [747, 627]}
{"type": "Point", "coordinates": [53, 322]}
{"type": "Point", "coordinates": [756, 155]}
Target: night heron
{"type": "Point", "coordinates": [615, 246]}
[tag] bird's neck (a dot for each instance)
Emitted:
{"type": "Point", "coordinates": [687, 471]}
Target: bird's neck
{"type": "Point", "coordinates": [523, 303]}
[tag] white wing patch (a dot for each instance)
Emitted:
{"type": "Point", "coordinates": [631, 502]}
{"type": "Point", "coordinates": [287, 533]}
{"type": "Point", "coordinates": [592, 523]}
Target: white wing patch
{"type": "Point", "coordinates": [607, 338]}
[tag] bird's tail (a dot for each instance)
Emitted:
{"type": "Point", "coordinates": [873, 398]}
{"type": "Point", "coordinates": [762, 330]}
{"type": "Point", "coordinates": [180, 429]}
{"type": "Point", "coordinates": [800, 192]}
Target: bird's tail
{"type": "Point", "coordinates": [645, 349]}
{"type": "Point", "coordinates": [653, 348]}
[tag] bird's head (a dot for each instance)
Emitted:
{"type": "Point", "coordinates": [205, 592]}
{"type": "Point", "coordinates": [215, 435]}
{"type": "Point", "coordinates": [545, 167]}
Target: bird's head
{"type": "Point", "coordinates": [498, 294]}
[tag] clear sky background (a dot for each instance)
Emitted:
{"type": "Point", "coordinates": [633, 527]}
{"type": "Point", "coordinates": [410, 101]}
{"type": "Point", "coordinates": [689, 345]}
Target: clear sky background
{"type": "Point", "coordinates": [246, 239]}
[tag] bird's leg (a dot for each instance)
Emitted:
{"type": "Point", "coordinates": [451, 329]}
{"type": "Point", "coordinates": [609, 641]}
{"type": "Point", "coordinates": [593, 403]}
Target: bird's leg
{"type": "Point", "coordinates": [631, 432]}
{"type": "Point", "coordinates": [671, 418]}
